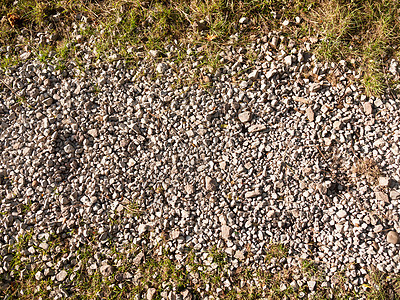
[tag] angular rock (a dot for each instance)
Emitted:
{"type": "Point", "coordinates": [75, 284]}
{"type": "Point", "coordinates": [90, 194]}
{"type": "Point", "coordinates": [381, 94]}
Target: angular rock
{"type": "Point", "coordinates": [381, 196]}
{"type": "Point", "coordinates": [367, 108]}
{"type": "Point", "coordinates": [226, 232]}
{"type": "Point", "coordinates": [210, 184]}
{"type": "Point", "coordinates": [310, 114]}
{"type": "Point", "coordinates": [245, 117]}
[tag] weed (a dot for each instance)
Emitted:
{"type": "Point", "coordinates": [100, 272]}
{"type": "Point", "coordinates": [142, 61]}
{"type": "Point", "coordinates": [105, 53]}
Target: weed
{"type": "Point", "coordinates": [368, 169]}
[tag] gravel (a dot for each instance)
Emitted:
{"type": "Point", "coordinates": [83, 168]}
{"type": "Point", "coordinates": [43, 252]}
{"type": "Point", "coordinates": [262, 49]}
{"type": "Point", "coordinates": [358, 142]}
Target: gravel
{"type": "Point", "coordinates": [238, 165]}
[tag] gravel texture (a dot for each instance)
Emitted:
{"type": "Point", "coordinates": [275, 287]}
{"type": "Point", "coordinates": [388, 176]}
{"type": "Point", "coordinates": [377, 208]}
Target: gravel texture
{"type": "Point", "coordinates": [278, 149]}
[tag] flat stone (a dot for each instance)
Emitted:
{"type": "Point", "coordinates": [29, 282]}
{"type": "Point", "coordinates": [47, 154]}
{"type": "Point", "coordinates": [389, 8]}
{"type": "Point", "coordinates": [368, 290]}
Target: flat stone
{"type": "Point", "coordinates": [252, 194]}
{"type": "Point", "coordinates": [393, 237]}
{"type": "Point", "coordinates": [245, 117]}
{"type": "Point", "coordinates": [257, 128]}
{"type": "Point", "coordinates": [367, 108]}
{"type": "Point", "coordinates": [226, 232]}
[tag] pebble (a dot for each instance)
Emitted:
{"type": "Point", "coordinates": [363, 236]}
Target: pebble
{"type": "Point", "coordinates": [393, 237]}
{"type": "Point", "coordinates": [226, 232]}
{"type": "Point", "coordinates": [245, 117]}
{"type": "Point", "coordinates": [367, 108]}
{"type": "Point", "coordinates": [310, 114]}
{"type": "Point", "coordinates": [61, 275]}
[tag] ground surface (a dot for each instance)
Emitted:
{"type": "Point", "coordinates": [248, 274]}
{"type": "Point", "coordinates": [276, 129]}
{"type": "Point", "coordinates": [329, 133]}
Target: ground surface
{"type": "Point", "coordinates": [216, 168]}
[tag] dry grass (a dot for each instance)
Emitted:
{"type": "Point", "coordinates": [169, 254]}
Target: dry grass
{"type": "Point", "coordinates": [367, 169]}
{"type": "Point", "coordinates": [365, 33]}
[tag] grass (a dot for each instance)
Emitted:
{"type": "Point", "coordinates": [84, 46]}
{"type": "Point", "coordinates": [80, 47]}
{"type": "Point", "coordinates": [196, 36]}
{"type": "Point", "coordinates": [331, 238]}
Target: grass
{"type": "Point", "coordinates": [199, 273]}
{"type": "Point", "coordinates": [363, 33]}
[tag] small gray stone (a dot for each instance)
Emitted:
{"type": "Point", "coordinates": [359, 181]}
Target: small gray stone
{"type": "Point", "coordinates": [93, 132]}
{"type": "Point", "coordinates": [44, 246]}
{"type": "Point", "coordinates": [289, 60]}
{"type": "Point", "coordinates": [311, 284]}
{"type": "Point", "coordinates": [106, 270]}
{"type": "Point", "coordinates": [243, 20]}
{"type": "Point", "coordinates": [175, 234]}
{"type": "Point", "coordinates": [189, 189]}
{"type": "Point", "coordinates": [341, 213]}
{"type": "Point", "coordinates": [136, 261]}
{"type": "Point", "coordinates": [154, 53]}
{"type": "Point", "coordinates": [245, 117]}
{"type": "Point", "coordinates": [39, 275]}
{"type": "Point", "coordinates": [143, 228]}
{"type": "Point", "coordinates": [25, 55]}
{"type": "Point", "coordinates": [150, 293]}
{"type": "Point", "coordinates": [337, 125]}
{"type": "Point", "coordinates": [394, 195]}
{"type": "Point", "coordinates": [162, 67]}
{"type": "Point", "coordinates": [239, 255]}
{"type": "Point", "coordinates": [393, 237]}
{"type": "Point", "coordinates": [69, 149]}
{"type": "Point", "coordinates": [61, 275]}
{"type": "Point", "coordinates": [253, 75]}
{"type": "Point", "coordinates": [367, 108]}
{"type": "Point", "coordinates": [210, 184]}
{"type": "Point", "coordinates": [379, 143]}
{"type": "Point", "coordinates": [310, 114]}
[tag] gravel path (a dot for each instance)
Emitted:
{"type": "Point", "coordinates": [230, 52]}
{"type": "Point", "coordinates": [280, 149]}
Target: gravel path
{"type": "Point", "coordinates": [279, 149]}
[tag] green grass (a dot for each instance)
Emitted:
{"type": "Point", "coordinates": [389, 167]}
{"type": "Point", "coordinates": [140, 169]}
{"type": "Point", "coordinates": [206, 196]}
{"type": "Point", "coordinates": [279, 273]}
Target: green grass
{"type": "Point", "coordinates": [364, 33]}
{"type": "Point", "coordinates": [163, 272]}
